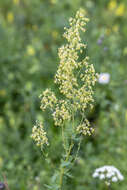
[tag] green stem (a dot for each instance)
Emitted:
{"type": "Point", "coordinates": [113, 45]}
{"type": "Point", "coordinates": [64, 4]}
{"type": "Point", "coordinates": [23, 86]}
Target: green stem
{"type": "Point", "coordinates": [108, 187]}
{"type": "Point", "coordinates": [62, 168]}
{"type": "Point", "coordinates": [63, 138]}
{"type": "Point", "coordinates": [79, 145]}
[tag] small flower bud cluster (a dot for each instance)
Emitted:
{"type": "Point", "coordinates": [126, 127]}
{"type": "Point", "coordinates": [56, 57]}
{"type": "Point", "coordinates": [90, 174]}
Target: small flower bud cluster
{"type": "Point", "coordinates": [84, 128]}
{"type": "Point", "coordinates": [108, 173]}
{"type": "Point", "coordinates": [61, 113]}
{"type": "Point", "coordinates": [39, 135]}
{"type": "Point", "coordinates": [48, 99]}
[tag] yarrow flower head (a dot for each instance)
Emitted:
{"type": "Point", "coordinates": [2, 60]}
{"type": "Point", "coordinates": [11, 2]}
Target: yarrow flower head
{"type": "Point", "coordinates": [104, 78]}
{"type": "Point", "coordinates": [108, 174]}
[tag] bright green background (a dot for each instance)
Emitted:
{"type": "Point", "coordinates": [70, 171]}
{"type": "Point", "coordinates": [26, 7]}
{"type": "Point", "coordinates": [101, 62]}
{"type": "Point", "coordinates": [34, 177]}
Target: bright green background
{"type": "Point", "coordinates": [30, 35]}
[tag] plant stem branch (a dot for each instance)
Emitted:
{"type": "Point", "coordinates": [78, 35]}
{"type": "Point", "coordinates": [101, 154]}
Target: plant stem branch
{"type": "Point", "coordinates": [62, 168]}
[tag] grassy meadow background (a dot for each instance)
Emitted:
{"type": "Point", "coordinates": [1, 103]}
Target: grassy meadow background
{"type": "Point", "coordinates": [30, 35]}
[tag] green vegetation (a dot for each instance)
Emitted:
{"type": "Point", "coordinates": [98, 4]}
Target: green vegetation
{"type": "Point", "coordinates": [30, 35]}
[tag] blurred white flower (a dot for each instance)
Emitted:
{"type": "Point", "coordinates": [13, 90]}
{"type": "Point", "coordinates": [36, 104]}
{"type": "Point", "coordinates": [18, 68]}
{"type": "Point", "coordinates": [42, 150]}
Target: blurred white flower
{"type": "Point", "coordinates": [95, 174]}
{"type": "Point", "coordinates": [104, 78]}
{"type": "Point", "coordinates": [109, 173]}
{"type": "Point", "coordinates": [102, 176]}
{"type": "Point", "coordinates": [114, 179]}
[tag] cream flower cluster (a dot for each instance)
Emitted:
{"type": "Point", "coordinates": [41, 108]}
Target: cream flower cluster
{"type": "Point", "coordinates": [75, 78]}
{"type": "Point", "coordinates": [48, 99]}
{"type": "Point", "coordinates": [85, 128]}
{"type": "Point", "coordinates": [39, 135]}
{"type": "Point", "coordinates": [61, 113]}
{"type": "Point", "coordinates": [108, 173]}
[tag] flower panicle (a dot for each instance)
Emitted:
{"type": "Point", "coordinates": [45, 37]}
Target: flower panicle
{"type": "Point", "coordinates": [69, 67]}
{"type": "Point", "coordinates": [75, 78]}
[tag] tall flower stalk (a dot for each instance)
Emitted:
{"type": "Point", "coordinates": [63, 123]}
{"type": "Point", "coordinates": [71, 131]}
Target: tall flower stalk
{"type": "Point", "coordinates": [75, 78]}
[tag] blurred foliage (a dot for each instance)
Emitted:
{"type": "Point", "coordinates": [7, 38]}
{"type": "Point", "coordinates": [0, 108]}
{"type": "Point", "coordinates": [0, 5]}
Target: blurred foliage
{"type": "Point", "coordinates": [30, 34]}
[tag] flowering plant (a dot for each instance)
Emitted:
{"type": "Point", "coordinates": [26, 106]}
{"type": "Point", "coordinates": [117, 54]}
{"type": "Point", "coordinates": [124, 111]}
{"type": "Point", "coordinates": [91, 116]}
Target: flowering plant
{"type": "Point", "coordinates": [76, 79]}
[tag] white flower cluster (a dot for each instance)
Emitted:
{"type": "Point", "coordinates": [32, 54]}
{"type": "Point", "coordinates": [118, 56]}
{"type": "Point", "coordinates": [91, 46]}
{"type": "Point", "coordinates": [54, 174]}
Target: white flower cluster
{"type": "Point", "coordinates": [108, 173]}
